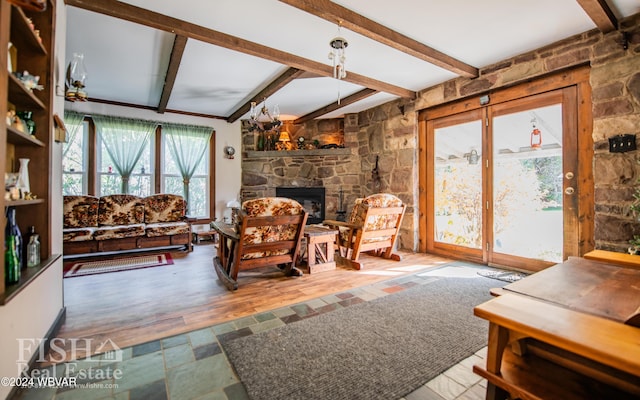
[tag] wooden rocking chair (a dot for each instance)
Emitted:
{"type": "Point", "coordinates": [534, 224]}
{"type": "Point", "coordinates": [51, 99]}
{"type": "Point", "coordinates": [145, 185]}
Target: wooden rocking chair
{"type": "Point", "coordinates": [373, 228]}
{"type": "Point", "coordinates": [268, 232]}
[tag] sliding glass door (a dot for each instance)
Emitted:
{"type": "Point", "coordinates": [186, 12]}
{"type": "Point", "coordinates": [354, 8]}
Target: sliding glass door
{"type": "Point", "coordinates": [499, 178]}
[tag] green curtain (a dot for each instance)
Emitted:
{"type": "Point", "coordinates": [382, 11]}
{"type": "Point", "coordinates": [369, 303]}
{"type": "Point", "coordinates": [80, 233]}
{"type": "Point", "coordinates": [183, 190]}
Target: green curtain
{"type": "Point", "coordinates": [187, 144]}
{"type": "Point", "coordinates": [125, 140]}
{"type": "Point", "coordinates": [73, 123]}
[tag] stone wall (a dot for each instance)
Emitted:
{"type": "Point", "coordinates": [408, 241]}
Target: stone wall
{"type": "Point", "coordinates": [335, 169]}
{"type": "Point", "coordinates": [390, 130]}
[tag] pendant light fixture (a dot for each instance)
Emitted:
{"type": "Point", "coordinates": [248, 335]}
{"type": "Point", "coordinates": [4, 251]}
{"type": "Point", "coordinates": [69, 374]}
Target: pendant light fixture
{"type": "Point", "coordinates": [536, 136]}
{"type": "Point", "coordinates": [338, 56]}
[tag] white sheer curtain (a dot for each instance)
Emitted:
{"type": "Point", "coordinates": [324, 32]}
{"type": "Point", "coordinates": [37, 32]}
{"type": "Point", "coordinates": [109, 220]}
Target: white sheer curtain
{"type": "Point", "coordinates": [187, 144]}
{"type": "Point", "coordinates": [125, 140]}
{"type": "Point", "coordinates": [73, 123]}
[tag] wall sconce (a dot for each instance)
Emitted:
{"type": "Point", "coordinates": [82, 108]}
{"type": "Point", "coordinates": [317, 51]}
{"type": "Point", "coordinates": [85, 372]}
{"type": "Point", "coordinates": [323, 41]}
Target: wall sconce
{"type": "Point", "coordinates": [229, 152]}
{"type": "Point", "coordinates": [473, 157]}
{"type": "Point", "coordinates": [536, 136]}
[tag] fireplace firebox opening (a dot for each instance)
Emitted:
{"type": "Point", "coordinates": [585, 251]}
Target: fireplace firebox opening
{"type": "Point", "coordinates": [311, 198]}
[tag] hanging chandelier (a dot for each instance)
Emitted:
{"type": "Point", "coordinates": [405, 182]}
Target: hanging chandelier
{"type": "Point", "coordinates": [263, 120]}
{"type": "Point", "coordinates": [338, 56]}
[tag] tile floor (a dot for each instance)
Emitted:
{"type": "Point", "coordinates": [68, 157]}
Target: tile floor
{"type": "Point", "coordinates": [193, 365]}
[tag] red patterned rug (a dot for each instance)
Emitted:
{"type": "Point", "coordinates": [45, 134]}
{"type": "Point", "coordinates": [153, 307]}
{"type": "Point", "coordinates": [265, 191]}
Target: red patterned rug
{"type": "Point", "coordinates": [83, 268]}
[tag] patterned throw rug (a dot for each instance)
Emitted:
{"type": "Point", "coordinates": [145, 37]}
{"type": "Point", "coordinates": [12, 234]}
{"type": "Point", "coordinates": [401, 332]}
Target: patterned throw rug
{"type": "Point", "coordinates": [505, 276]}
{"type": "Point", "coordinates": [114, 265]}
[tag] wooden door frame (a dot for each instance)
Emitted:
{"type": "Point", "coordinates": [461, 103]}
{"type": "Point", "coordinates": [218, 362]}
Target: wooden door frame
{"type": "Point", "coordinates": [578, 78]}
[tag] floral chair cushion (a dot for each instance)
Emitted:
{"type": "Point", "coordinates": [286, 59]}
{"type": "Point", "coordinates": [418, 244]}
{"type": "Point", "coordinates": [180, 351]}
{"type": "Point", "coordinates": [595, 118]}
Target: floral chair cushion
{"type": "Point", "coordinates": [119, 231]}
{"type": "Point", "coordinates": [167, 228]}
{"type": "Point", "coordinates": [164, 208]}
{"type": "Point", "coordinates": [374, 222]}
{"type": "Point", "coordinates": [120, 209]}
{"type": "Point", "coordinates": [268, 206]}
{"type": "Point", "coordinates": [80, 212]}
{"type": "Point", "coordinates": [78, 234]}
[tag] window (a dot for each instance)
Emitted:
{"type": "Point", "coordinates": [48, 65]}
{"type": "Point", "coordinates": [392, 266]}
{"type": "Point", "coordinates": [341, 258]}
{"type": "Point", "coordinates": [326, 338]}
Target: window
{"type": "Point", "coordinates": [74, 156]}
{"type": "Point", "coordinates": [140, 178]}
{"type": "Point", "coordinates": [167, 158]}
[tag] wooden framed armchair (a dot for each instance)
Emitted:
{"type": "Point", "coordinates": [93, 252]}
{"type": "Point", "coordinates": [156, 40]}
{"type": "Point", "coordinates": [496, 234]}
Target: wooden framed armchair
{"type": "Point", "coordinates": [372, 228]}
{"type": "Point", "coordinates": [268, 232]}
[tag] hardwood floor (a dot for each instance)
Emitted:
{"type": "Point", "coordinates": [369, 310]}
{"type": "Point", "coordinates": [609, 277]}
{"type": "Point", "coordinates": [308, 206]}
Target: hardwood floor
{"type": "Point", "coordinates": [138, 306]}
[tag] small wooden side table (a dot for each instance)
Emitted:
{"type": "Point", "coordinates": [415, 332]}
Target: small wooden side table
{"type": "Point", "coordinates": [320, 248]}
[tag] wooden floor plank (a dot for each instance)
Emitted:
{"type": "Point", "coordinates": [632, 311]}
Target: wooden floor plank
{"type": "Point", "coordinates": [138, 306]}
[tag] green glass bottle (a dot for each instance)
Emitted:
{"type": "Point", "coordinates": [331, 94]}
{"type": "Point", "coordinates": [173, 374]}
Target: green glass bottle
{"type": "Point", "coordinates": [12, 251]}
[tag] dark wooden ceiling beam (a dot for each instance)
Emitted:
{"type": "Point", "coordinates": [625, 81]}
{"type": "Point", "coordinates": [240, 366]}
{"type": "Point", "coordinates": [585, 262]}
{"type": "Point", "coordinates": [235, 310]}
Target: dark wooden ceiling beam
{"type": "Point", "coordinates": [601, 14]}
{"type": "Point", "coordinates": [353, 21]}
{"type": "Point", "coordinates": [151, 108]}
{"type": "Point", "coordinates": [363, 94]}
{"type": "Point", "coordinates": [179, 43]}
{"type": "Point", "coordinates": [275, 85]}
{"type": "Point", "coordinates": [163, 22]}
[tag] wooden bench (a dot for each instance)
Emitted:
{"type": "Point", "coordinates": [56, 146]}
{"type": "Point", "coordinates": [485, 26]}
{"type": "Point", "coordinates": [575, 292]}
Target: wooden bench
{"type": "Point", "coordinates": [538, 350]}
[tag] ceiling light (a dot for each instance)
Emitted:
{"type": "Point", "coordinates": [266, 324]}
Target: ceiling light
{"type": "Point", "coordinates": [338, 57]}
{"type": "Point", "coordinates": [263, 120]}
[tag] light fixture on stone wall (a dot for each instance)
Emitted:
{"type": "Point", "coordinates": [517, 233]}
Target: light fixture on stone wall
{"type": "Point", "coordinates": [263, 120]}
{"type": "Point", "coordinates": [338, 56]}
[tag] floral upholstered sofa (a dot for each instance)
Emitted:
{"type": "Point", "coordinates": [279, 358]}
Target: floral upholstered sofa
{"type": "Point", "coordinates": [124, 222]}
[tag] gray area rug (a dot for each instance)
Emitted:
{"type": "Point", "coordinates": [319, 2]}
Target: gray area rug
{"type": "Point", "coordinates": [381, 349]}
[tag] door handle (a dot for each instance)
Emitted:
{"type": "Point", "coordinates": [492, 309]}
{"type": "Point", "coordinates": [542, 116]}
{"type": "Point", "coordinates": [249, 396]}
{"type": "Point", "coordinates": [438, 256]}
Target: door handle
{"type": "Point", "coordinates": [569, 190]}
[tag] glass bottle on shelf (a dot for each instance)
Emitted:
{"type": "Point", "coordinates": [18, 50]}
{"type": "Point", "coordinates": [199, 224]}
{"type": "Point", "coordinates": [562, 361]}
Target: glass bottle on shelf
{"type": "Point", "coordinates": [12, 251]}
{"type": "Point", "coordinates": [33, 251]}
{"type": "Point", "coordinates": [26, 238]}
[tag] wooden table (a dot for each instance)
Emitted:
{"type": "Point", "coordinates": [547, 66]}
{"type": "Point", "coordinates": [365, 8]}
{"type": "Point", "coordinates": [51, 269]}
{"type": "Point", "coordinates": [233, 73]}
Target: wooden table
{"type": "Point", "coordinates": [320, 248]}
{"type": "Point", "coordinates": [560, 333]}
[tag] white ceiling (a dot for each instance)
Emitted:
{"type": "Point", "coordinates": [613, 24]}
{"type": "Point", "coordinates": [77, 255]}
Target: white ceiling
{"type": "Point", "coordinates": [127, 62]}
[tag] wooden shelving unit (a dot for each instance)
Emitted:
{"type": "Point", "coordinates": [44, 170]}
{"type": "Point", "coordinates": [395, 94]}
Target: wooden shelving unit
{"type": "Point", "coordinates": [35, 55]}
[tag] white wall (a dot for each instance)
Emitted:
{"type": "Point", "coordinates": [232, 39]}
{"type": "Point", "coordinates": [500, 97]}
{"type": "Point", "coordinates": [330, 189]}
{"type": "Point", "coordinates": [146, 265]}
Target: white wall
{"type": "Point", "coordinates": [228, 171]}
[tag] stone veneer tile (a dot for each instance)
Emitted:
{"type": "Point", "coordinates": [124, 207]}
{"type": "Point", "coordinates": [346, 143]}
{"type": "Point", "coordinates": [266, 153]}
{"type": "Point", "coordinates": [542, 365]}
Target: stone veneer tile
{"type": "Point", "coordinates": [283, 312]}
{"type": "Point", "coordinates": [93, 393]}
{"type": "Point", "coordinates": [140, 370]}
{"type": "Point", "coordinates": [446, 387]}
{"type": "Point", "coordinates": [206, 350]}
{"type": "Point", "coordinates": [267, 325]}
{"type": "Point", "coordinates": [291, 318]}
{"type": "Point", "coordinates": [463, 375]}
{"type": "Point", "coordinates": [423, 393]}
{"type": "Point", "coordinates": [351, 301]}
{"type": "Point", "coordinates": [178, 355]}
{"type": "Point", "coordinates": [156, 390]}
{"type": "Point", "coordinates": [476, 392]}
{"type": "Point", "coordinates": [236, 392]}
{"type": "Point", "coordinates": [315, 303]}
{"type": "Point", "coordinates": [244, 322]}
{"type": "Point", "coordinates": [331, 299]}
{"type": "Point", "coordinates": [329, 308]}
{"type": "Point", "coordinates": [146, 348]}
{"type": "Point", "coordinates": [223, 328]}
{"type": "Point", "coordinates": [265, 317]}
{"type": "Point", "coordinates": [174, 341]}
{"type": "Point", "coordinates": [234, 334]}
{"type": "Point", "coordinates": [344, 295]}
{"type": "Point", "coordinates": [198, 378]}
{"type": "Point", "coordinates": [303, 310]}
{"type": "Point", "coordinates": [201, 336]}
